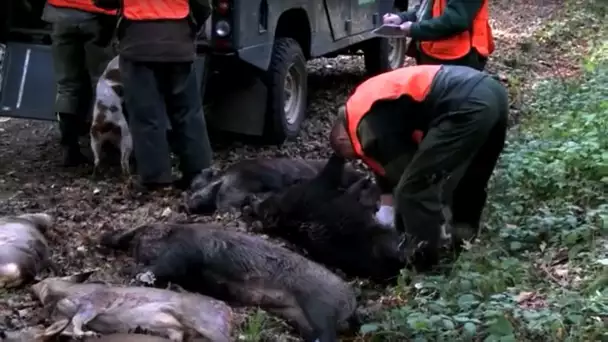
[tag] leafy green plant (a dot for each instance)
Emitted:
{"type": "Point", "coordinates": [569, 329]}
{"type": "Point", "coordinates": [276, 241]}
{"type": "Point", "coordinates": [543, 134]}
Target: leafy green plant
{"type": "Point", "coordinates": [254, 327]}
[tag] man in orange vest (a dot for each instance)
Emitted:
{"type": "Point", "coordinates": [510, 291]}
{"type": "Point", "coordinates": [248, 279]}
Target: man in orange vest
{"type": "Point", "coordinates": [157, 52]}
{"type": "Point", "coordinates": [432, 134]}
{"type": "Point", "coordinates": [448, 32]}
{"type": "Point", "coordinates": [81, 37]}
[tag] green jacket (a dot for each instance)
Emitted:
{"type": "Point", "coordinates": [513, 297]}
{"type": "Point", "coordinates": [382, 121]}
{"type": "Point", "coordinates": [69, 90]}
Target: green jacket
{"type": "Point", "coordinates": [385, 131]}
{"type": "Point", "coordinates": [456, 18]}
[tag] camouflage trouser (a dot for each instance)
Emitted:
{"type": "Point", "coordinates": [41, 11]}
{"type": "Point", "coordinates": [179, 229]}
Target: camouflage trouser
{"type": "Point", "coordinates": [80, 53]}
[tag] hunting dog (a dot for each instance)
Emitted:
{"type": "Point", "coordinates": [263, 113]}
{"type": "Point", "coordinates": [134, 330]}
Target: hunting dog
{"type": "Point", "coordinates": [109, 117]}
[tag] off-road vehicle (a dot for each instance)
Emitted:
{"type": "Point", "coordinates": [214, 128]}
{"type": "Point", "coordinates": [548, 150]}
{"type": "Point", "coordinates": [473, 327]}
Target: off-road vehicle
{"type": "Point", "coordinates": [252, 66]}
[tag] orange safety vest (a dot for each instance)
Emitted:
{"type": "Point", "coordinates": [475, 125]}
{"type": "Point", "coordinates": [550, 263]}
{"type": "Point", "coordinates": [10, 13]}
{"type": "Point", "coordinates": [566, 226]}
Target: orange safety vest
{"type": "Point", "coordinates": [479, 37]}
{"type": "Point", "coordinates": [83, 5]}
{"type": "Point", "coordinates": [414, 81]}
{"type": "Point", "coordinates": [155, 9]}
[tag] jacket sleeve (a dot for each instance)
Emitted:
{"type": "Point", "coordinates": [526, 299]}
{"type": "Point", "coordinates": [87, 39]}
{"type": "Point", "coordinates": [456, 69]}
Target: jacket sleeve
{"type": "Point", "coordinates": [409, 15]}
{"type": "Point", "coordinates": [456, 18]}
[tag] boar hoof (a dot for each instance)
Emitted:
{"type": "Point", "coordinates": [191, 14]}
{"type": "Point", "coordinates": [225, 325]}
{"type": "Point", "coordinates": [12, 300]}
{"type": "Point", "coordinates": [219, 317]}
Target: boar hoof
{"type": "Point", "coordinates": [80, 334]}
{"type": "Point", "coordinates": [146, 278]}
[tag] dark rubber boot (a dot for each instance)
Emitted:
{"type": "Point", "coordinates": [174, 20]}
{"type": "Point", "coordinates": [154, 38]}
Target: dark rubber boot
{"type": "Point", "coordinates": [69, 126]}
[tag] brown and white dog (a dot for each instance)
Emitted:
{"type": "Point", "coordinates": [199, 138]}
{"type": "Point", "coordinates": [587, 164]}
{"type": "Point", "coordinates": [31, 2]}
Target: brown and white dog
{"type": "Point", "coordinates": [109, 121]}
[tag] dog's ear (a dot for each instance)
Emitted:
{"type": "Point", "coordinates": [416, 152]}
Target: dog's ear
{"type": "Point", "coordinates": [119, 90]}
{"type": "Point", "coordinates": [113, 75]}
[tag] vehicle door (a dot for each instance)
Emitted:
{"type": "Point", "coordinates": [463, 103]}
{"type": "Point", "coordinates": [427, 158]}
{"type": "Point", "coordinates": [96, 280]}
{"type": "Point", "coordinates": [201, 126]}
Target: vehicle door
{"type": "Point", "coordinates": [27, 79]}
{"type": "Point", "coordinates": [365, 14]}
{"type": "Point", "coordinates": [27, 89]}
{"type": "Point", "coordinates": [339, 15]}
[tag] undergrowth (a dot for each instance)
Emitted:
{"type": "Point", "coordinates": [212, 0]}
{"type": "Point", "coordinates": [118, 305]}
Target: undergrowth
{"type": "Point", "coordinates": [540, 270]}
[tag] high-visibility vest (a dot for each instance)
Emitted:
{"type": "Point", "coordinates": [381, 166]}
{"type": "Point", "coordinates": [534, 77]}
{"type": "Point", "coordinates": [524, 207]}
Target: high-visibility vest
{"type": "Point", "coordinates": [155, 9]}
{"type": "Point", "coordinates": [479, 37]}
{"type": "Point", "coordinates": [83, 5]}
{"type": "Point", "coordinates": [413, 81]}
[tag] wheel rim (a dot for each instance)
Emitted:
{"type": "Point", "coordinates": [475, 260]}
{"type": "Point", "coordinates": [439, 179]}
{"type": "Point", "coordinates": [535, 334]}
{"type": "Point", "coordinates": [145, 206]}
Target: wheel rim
{"type": "Point", "coordinates": [397, 51]}
{"type": "Point", "coordinates": [293, 94]}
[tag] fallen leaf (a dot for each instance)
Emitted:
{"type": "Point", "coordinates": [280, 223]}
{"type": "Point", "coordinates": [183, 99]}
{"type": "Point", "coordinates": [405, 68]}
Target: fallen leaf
{"type": "Point", "coordinates": [166, 212]}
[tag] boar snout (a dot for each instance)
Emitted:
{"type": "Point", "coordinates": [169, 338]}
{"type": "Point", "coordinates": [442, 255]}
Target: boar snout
{"type": "Point", "coordinates": [199, 203]}
{"type": "Point", "coordinates": [10, 275]}
{"type": "Point", "coordinates": [202, 179]}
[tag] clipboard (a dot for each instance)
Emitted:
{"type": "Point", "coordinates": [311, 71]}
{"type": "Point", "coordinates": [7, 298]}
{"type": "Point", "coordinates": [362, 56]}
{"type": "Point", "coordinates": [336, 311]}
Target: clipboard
{"type": "Point", "coordinates": [389, 31]}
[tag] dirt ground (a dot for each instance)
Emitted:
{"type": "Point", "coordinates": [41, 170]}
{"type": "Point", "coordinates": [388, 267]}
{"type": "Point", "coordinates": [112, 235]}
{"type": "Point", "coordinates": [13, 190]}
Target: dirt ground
{"type": "Point", "coordinates": [33, 179]}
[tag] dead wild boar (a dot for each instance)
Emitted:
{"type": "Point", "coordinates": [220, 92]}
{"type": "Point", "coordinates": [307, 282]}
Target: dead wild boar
{"type": "Point", "coordinates": [24, 251]}
{"type": "Point", "coordinates": [228, 190]}
{"type": "Point", "coordinates": [243, 270]}
{"type": "Point", "coordinates": [54, 334]}
{"type": "Point", "coordinates": [333, 226]}
{"type": "Point", "coordinates": [106, 309]}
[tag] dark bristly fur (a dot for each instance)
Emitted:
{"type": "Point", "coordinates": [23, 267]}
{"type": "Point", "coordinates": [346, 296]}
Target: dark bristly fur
{"type": "Point", "coordinates": [333, 226]}
{"type": "Point", "coordinates": [243, 270]}
{"type": "Point", "coordinates": [230, 188]}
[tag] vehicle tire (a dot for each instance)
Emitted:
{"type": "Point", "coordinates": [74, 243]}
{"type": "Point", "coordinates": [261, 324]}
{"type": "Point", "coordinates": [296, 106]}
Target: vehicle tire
{"type": "Point", "coordinates": [382, 55]}
{"type": "Point", "coordinates": [287, 83]}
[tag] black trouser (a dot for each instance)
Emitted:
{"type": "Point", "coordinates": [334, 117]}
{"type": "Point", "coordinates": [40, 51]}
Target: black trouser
{"type": "Point", "coordinates": [156, 94]}
{"type": "Point", "coordinates": [453, 165]}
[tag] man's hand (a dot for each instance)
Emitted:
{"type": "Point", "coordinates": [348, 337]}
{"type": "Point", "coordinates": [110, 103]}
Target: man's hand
{"type": "Point", "coordinates": [406, 27]}
{"type": "Point", "coordinates": [386, 216]}
{"type": "Point", "coordinates": [391, 19]}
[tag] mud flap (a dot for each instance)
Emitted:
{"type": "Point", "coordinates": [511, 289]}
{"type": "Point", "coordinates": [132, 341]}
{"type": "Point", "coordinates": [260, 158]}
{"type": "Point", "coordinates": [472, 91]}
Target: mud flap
{"type": "Point", "coordinates": [240, 110]}
{"type": "Point", "coordinates": [28, 82]}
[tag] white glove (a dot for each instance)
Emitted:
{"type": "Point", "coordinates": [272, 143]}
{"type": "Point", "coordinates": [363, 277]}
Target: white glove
{"type": "Point", "coordinates": [391, 19]}
{"type": "Point", "coordinates": [386, 216]}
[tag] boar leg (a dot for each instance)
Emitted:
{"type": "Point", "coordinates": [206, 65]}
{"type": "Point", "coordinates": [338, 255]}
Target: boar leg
{"type": "Point", "coordinates": [294, 316]}
{"type": "Point", "coordinates": [86, 313]}
{"type": "Point", "coordinates": [176, 335]}
{"type": "Point", "coordinates": [323, 319]}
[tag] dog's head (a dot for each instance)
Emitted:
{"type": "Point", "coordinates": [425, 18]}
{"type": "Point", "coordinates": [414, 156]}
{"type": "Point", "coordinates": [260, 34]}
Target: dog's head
{"type": "Point", "coordinates": [108, 110]}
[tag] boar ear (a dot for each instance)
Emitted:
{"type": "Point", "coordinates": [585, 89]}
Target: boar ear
{"type": "Point", "coordinates": [79, 277]}
{"type": "Point", "coordinates": [42, 221]}
{"type": "Point", "coordinates": [54, 330]}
